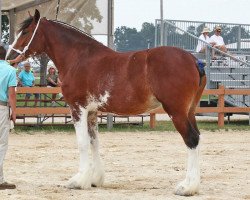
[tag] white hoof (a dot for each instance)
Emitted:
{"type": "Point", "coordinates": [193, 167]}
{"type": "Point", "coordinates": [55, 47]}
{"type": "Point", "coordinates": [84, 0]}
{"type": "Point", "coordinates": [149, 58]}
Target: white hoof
{"type": "Point", "coordinates": [98, 177]}
{"type": "Point", "coordinates": [82, 180]}
{"type": "Point", "coordinates": [187, 188]}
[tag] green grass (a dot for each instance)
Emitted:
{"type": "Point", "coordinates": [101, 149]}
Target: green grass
{"type": "Point", "coordinates": [239, 125]}
{"type": "Point", "coordinates": [42, 104]}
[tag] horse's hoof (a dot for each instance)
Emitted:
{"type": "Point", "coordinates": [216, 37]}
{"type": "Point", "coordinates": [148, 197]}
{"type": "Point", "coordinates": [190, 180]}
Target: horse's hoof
{"type": "Point", "coordinates": [80, 181]}
{"type": "Point", "coordinates": [185, 189]}
{"type": "Point", "coordinates": [97, 178]}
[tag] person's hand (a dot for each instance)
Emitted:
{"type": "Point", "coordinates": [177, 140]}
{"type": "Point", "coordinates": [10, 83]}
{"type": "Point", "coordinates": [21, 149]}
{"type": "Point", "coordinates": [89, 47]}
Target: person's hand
{"type": "Point", "coordinates": [212, 43]}
{"type": "Point", "coordinates": [13, 116]}
{"type": "Point", "coordinates": [18, 59]}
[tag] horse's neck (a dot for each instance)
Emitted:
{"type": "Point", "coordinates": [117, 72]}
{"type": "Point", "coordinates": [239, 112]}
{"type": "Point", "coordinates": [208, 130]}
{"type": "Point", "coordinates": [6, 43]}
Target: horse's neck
{"type": "Point", "coordinates": [62, 44]}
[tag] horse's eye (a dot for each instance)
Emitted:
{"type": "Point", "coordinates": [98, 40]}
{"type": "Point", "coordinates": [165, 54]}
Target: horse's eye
{"type": "Point", "coordinates": [24, 32]}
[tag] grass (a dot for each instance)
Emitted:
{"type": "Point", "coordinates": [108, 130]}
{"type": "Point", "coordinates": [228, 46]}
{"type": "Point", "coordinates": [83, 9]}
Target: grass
{"type": "Point", "coordinates": [237, 125]}
{"type": "Point", "coordinates": [20, 102]}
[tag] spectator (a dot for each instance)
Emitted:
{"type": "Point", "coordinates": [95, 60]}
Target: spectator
{"type": "Point", "coordinates": [53, 81]}
{"type": "Point", "coordinates": [201, 46]}
{"type": "Point", "coordinates": [7, 96]}
{"type": "Point", "coordinates": [27, 79]}
{"type": "Point", "coordinates": [217, 41]}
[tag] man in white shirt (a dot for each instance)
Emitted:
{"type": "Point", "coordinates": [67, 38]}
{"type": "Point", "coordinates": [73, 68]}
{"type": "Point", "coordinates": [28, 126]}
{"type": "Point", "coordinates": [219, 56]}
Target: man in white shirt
{"type": "Point", "coordinates": [201, 46]}
{"type": "Point", "coordinates": [217, 41]}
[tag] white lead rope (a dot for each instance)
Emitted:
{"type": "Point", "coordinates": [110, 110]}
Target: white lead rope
{"type": "Point", "coordinates": [11, 47]}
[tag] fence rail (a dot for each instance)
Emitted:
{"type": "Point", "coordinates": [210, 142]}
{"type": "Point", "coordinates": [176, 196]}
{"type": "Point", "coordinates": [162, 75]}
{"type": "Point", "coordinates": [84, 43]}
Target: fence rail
{"type": "Point", "coordinates": [220, 109]}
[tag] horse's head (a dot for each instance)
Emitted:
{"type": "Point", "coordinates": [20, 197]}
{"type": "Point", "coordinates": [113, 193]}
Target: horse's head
{"type": "Point", "coordinates": [29, 40]}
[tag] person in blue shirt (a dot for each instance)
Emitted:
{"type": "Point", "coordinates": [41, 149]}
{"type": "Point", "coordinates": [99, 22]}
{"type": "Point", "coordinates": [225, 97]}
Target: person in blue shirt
{"type": "Point", "coordinates": [8, 83]}
{"type": "Point", "coordinates": [27, 79]}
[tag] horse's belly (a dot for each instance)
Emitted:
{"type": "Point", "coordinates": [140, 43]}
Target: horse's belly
{"type": "Point", "coordinates": [153, 104]}
{"type": "Point", "coordinates": [131, 107]}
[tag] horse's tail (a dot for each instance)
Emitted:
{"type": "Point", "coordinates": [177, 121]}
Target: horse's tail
{"type": "Point", "coordinates": [201, 65]}
{"type": "Point", "coordinates": [203, 80]}
{"type": "Point", "coordinates": [201, 68]}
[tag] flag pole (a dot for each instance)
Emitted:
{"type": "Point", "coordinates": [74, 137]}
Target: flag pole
{"type": "Point", "coordinates": [162, 24]}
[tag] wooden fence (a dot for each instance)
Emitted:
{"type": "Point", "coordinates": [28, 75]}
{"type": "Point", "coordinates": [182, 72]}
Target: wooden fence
{"type": "Point", "coordinates": [220, 109]}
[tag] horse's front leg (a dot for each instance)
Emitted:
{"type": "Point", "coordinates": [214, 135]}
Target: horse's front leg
{"type": "Point", "coordinates": [98, 172]}
{"type": "Point", "coordinates": [82, 180]}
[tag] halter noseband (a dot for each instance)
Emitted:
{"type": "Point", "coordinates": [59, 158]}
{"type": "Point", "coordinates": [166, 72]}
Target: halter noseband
{"type": "Point", "coordinates": [11, 47]}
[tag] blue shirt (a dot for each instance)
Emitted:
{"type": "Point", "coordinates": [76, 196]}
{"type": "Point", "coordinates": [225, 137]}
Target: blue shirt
{"type": "Point", "coordinates": [26, 78]}
{"type": "Point", "coordinates": [7, 79]}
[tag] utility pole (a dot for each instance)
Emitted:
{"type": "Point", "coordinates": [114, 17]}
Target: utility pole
{"type": "Point", "coordinates": [110, 45]}
{"type": "Point", "coordinates": [162, 24]}
{"type": "Point", "coordinates": [111, 24]}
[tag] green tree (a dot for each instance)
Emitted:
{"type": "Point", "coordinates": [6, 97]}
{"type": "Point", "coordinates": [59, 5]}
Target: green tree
{"type": "Point", "coordinates": [129, 39]}
{"type": "Point", "coordinates": [148, 34]}
{"type": "Point", "coordinates": [5, 29]}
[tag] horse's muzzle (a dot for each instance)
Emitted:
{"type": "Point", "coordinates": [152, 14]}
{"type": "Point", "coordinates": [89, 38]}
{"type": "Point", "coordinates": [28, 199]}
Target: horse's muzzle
{"type": "Point", "coordinates": [12, 55]}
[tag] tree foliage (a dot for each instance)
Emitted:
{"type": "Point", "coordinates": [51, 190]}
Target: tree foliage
{"type": "Point", "coordinates": [5, 29]}
{"type": "Point", "coordinates": [129, 39]}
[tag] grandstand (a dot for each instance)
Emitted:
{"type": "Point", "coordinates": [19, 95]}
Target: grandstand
{"type": "Point", "coordinates": [231, 69]}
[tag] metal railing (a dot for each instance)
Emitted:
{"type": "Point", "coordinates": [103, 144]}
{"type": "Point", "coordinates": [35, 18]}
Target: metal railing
{"type": "Point", "coordinates": [236, 36]}
{"type": "Point", "coordinates": [231, 69]}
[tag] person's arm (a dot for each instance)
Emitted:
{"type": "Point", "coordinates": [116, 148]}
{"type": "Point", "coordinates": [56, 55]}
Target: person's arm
{"type": "Point", "coordinates": [20, 79]}
{"type": "Point", "coordinates": [51, 81]}
{"type": "Point", "coordinates": [12, 103]}
{"type": "Point", "coordinates": [18, 59]}
{"type": "Point", "coordinates": [212, 41]}
{"type": "Point", "coordinates": [33, 82]}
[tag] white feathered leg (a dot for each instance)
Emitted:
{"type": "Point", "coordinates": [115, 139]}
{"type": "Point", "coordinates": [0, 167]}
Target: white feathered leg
{"type": "Point", "coordinates": [191, 184]}
{"type": "Point", "coordinates": [82, 180]}
{"type": "Point", "coordinates": [98, 172]}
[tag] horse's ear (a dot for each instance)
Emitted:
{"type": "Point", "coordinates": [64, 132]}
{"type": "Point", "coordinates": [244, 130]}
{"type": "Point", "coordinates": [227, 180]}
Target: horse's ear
{"type": "Point", "coordinates": [37, 15]}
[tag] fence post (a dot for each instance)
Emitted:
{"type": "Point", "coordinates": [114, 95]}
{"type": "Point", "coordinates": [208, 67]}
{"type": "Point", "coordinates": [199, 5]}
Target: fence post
{"type": "Point", "coordinates": [152, 120]}
{"type": "Point", "coordinates": [109, 121]}
{"type": "Point", "coordinates": [221, 105]}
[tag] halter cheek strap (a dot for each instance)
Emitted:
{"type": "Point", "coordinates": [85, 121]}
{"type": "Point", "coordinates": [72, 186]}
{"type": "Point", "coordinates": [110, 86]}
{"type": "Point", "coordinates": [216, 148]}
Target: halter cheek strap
{"type": "Point", "coordinates": [11, 47]}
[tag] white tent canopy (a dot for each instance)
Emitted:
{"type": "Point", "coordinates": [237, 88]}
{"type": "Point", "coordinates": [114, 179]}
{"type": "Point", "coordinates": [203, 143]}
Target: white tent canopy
{"type": "Point", "coordinates": [11, 4]}
{"type": "Point", "coordinates": [91, 16]}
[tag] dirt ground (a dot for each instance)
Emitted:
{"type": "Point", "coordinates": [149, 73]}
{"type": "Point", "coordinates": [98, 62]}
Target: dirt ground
{"type": "Point", "coordinates": [138, 166]}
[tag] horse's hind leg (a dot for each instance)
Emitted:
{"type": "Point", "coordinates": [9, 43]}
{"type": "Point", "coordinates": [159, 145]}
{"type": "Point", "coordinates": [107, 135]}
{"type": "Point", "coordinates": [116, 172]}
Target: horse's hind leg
{"type": "Point", "coordinates": [98, 172]}
{"type": "Point", "coordinates": [190, 185]}
{"type": "Point", "coordinates": [187, 126]}
{"type": "Point", "coordinates": [82, 180]}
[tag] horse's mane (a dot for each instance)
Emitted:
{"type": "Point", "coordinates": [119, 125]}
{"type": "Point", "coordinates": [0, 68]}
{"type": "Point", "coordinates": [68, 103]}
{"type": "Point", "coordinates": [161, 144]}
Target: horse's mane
{"type": "Point", "coordinates": [25, 24]}
{"type": "Point", "coordinates": [73, 27]}
{"type": "Point", "coordinates": [76, 29]}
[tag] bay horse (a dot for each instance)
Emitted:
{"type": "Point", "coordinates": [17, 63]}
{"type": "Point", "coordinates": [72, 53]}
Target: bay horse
{"type": "Point", "coordinates": [96, 78]}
